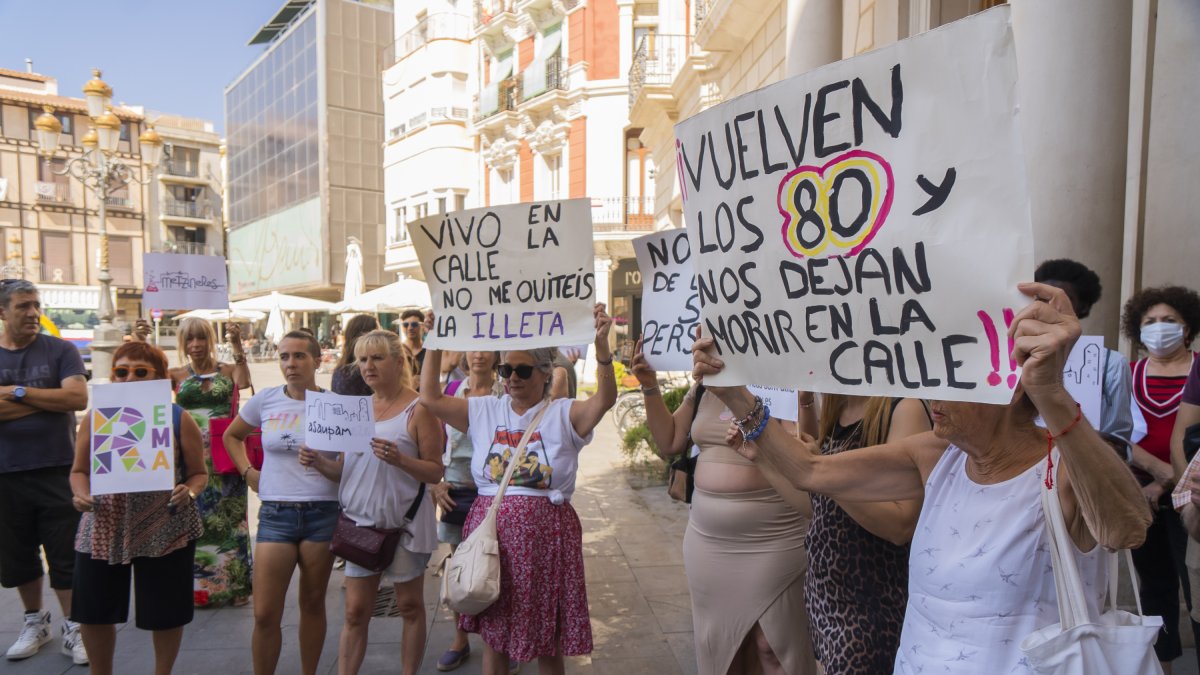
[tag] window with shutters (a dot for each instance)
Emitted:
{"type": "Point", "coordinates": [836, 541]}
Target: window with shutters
{"type": "Point", "coordinates": [56, 258]}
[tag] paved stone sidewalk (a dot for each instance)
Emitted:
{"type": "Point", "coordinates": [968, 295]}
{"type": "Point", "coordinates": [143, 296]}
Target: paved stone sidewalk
{"type": "Point", "coordinates": [641, 617]}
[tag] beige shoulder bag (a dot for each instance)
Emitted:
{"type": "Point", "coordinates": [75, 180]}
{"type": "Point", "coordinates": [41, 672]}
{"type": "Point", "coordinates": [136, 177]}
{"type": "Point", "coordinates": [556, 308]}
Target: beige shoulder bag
{"type": "Point", "coordinates": [471, 580]}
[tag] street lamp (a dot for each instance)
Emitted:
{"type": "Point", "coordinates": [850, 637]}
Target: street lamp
{"type": "Point", "coordinates": [102, 172]}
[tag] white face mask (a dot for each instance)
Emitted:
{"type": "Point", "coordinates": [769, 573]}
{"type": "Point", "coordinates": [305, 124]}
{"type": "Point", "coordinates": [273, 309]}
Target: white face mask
{"type": "Point", "coordinates": [1162, 338]}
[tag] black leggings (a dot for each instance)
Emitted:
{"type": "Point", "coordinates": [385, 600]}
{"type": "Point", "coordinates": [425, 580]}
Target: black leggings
{"type": "Point", "coordinates": [1161, 571]}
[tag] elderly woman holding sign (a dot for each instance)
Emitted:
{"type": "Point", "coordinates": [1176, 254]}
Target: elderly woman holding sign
{"type": "Point", "coordinates": [542, 611]}
{"type": "Point", "coordinates": [150, 536]}
{"type": "Point", "coordinates": [980, 573]}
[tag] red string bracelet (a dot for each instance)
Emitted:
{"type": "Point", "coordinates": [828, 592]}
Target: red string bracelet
{"type": "Point", "coordinates": [1050, 438]}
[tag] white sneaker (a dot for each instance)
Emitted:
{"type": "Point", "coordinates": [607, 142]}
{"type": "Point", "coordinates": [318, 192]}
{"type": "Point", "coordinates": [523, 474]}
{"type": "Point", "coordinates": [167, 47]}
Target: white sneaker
{"type": "Point", "coordinates": [72, 643]}
{"type": "Point", "coordinates": [35, 634]}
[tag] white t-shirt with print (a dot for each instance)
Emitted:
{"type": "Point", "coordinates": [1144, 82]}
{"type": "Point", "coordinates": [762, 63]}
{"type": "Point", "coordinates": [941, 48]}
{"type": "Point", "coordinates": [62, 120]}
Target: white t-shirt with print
{"type": "Point", "coordinates": [283, 478]}
{"type": "Point", "coordinates": [551, 457]}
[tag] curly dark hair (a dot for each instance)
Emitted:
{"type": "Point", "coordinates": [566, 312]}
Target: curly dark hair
{"type": "Point", "coordinates": [1084, 284]}
{"type": "Point", "coordinates": [1182, 300]}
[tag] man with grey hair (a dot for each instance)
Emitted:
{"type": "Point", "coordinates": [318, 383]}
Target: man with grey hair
{"type": "Point", "coordinates": [42, 385]}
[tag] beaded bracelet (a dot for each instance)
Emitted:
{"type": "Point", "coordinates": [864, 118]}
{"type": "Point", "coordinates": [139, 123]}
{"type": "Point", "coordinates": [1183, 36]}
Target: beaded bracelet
{"type": "Point", "coordinates": [762, 425]}
{"type": "Point", "coordinates": [745, 421]}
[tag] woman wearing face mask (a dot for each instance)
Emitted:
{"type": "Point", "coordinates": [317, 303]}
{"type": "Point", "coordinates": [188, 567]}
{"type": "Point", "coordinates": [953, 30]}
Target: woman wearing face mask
{"type": "Point", "coordinates": [1162, 321]}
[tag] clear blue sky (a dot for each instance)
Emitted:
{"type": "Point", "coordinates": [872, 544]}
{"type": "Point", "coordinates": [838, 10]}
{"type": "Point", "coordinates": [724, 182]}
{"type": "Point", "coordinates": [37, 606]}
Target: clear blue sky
{"type": "Point", "coordinates": [192, 51]}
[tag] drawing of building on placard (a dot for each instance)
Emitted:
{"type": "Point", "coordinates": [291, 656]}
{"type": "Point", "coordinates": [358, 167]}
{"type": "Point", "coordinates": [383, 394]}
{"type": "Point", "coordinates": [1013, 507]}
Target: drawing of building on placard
{"type": "Point", "coordinates": [1084, 365]}
{"type": "Point", "coordinates": [327, 411]}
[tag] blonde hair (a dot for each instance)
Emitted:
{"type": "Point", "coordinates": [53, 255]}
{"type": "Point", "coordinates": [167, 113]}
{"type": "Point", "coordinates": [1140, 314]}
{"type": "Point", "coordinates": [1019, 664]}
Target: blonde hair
{"type": "Point", "coordinates": [193, 327]}
{"type": "Point", "coordinates": [390, 342]}
{"type": "Point", "coordinates": [876, 419]}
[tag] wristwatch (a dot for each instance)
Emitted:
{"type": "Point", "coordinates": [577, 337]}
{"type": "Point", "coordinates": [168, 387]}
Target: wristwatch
{"type": "Point", "coordinates": [18, 393]}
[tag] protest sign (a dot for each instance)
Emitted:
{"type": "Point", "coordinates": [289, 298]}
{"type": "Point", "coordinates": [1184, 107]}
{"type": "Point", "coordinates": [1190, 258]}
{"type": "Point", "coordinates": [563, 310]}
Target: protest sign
{"type": "Point", "coordinates": [860, 229]}
{"type": "Point", "coordinates": [180, 281]}
{"type": "Point", "coordinates": [1083, 376]}
{"type": "Point", "coordinates": [670, 303]}
{"type": "Point", "coordinates": [338, 423]}
{"type": "Point", "coordinates": [518, 276]}
{"type": "Point", "coordinates": [783, 403]}
{"type": "Point", "coordinates": [133, 437]}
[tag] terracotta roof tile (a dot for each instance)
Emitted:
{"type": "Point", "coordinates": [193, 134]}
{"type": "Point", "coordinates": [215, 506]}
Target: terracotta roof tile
{"type": "Point", "coordinates": [77, 105]}
{"type": "Point", "coordinates": [22, 75]}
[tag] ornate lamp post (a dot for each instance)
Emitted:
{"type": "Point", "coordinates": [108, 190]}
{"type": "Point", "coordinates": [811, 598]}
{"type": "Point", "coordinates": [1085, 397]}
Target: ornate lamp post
{"type": "Point", "coordinates": [102, 172]}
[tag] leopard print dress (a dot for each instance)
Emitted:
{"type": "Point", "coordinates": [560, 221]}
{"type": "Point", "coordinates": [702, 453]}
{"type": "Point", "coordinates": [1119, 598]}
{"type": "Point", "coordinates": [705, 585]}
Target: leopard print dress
{"type": "Point", "coordinates": [857, 584]}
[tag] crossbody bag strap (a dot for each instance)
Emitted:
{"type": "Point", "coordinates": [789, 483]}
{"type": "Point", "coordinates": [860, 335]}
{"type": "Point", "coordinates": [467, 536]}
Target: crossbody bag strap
{"type": "Point", "coordinates": [416, 505]}
{"type": "Point", "coordinates": [517, 456]}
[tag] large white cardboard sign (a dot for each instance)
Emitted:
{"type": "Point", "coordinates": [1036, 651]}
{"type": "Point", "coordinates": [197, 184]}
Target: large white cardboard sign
{"type": "Point", "coordinates": [338, 423]}
{"type": "Point", "coordinates": [517, 276]}
{"type": "Point", "coordinates": [133, 438]}
{"type": "Point", "coordinates": [670, 303]}
{"type": "Point", "coordinates": [861, 229]}
{"type": "Point", "coordinates": [183, 281]}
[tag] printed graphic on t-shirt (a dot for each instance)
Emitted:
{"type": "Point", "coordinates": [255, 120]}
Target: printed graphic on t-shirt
{"type": "Point", "coordinates": [532, 472]}
{"type": "Point", "coordinates": [288, 428]}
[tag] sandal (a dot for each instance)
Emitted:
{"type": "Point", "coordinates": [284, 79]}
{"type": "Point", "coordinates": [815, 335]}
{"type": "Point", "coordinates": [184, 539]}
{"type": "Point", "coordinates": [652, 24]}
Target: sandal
{"type": "Point", "coordinates": [453, 658]}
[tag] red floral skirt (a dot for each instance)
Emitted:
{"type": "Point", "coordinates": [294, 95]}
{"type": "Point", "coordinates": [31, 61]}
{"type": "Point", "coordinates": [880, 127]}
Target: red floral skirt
{"type": "Point", "coordinates": [543, 607]}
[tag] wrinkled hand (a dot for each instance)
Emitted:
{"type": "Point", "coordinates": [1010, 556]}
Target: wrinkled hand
{"type": "Point", "coordinates": [142, 330]}
{"type": "Point", "coordinates": [387, 451]}
{"type": "Point", "coordinates": [233, 333]}
{"type": "Point", "coordinates": [83, 503]}
{"type": "Point", "coordinates": [1153, 492]}
{"type": "Point", "coordinates": [441, 496]}
{"type": "Point", "coordinates": [1043, 334]}
{"type": "Point", "coordinates": [646, 376]}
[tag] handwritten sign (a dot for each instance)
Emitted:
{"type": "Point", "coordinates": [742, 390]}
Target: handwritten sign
{"type": "Point", "coordinates": [858, 228]}
{"type": "Point", "coordinates": [784, 403]}
{"type": "Point", "coordinates": [180, 281]}
{"type": "Point", "coordinates": [133, 438]}
{"type": "Point", "coordinates": [338, 423]}
{"type": "Point", "coordinates": [670, 301]}
{"type": "Point", "coordinates": [510, 277]}
{"type": "Point", "coordinates": [1083, 377]}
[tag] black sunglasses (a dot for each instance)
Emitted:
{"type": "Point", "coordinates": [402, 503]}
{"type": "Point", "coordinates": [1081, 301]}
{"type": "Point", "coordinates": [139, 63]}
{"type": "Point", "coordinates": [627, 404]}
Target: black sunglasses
{"type": "Point", "coordinates": [123, 373]}
{"type": "Point", "coordinates": [506, 371]}
{"type": "Point", "coordinates": [410, 324]}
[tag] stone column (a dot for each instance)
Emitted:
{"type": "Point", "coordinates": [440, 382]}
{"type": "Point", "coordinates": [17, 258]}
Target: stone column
{"type": "Point", "coordinates": [813, 34]}
{"type": "Point", "coordinates": [1073, 90]}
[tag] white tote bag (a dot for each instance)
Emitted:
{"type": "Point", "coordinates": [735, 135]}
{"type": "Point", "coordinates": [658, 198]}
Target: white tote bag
{"type": "Point", "coordinates": [1114, 643]}
{"type": "Point", "coordinates": [471, 580]}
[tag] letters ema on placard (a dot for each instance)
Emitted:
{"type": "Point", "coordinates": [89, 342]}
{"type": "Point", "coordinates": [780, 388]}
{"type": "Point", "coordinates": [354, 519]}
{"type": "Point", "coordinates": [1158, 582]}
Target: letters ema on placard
{"type": "Point", "coordinates": [338, 423]}
{"type": "Point", "coordinates": [861, 229]}
{"type": "Point", "coordinates": [517, 276]}
{"type": "Point", "coordinates": [132, 438]}
{"type": "Point", "coordinates": [183, 281]}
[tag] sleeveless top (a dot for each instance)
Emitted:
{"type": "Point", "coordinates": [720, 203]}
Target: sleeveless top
{"type": "Point", "coordinates": [1158, 397]}
{"type": "Point", "coordinates": [131, 525]}
{"type": "Point", "coordinates": [216, 402]}
{"type": "Point", "coordinates": [980, 573]}
{"type": "Point", "coordinates": [857, 583]}
{"type": "Point", "coordinates": [459, 451]}
{"type": "Point", "coordinates": [376, 494]}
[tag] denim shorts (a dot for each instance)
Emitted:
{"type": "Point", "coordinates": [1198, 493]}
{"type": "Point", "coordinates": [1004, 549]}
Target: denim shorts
{"type": "Point", "coordinates": [294, 522]}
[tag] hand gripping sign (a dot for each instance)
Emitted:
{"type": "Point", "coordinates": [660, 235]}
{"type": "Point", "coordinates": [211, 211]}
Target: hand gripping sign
{"type": "Point", "coordinates": [856, 229]}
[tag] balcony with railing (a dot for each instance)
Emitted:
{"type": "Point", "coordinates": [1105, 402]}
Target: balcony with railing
{"type": "Point", "coordinates": [623, 214]}
{"type": "Point", "coordinates": [178, 209]}
{"type": "Point", "coordinates": [498, 97]}
{"type": "Point", "coordinates": [442, 26]}
{"type": "Point", "coordinates": [56, 275]}
{"type": "Point", "coordinates": [119, 202]}
{"type": "Point", "coordinates": [536, 80]}
{"type": "Point", "coordinates": [181, 169]}
{"type": "Point", "coordinates": [188, 247]}
{"type": "Point", "coordinates": [656, 63]}
{"type": "Point", "coordinates": [494, 16]}
{"type": "Point", "coordinates": [52, 192]}
{"type": "Point", "coordinates": [722, 25]}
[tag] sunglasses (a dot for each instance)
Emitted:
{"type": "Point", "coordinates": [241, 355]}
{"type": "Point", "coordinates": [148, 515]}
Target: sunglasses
{"type": "Point", "coordinates": [122, 373]}
{"type": "Point", "coordinates": [506, 371]}
{"type": "Point", "coordinates": [410, 324]}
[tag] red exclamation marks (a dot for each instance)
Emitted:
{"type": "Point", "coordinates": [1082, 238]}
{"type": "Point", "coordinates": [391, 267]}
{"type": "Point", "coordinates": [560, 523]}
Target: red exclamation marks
{"type": "Point", "coordinates": [1012, 363]}
{"type": "Point", "coordinates": [989, 327]}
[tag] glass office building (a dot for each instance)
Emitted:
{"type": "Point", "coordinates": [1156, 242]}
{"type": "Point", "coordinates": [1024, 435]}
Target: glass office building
{"type": "Point", "coordinates": [304, 126]}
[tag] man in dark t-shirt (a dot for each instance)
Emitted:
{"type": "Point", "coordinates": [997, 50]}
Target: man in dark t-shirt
{"type": "Point", "coordinates": [42, 385]}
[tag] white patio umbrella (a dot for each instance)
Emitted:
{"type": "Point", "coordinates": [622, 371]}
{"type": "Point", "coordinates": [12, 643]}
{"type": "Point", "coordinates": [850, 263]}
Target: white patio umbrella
{"type": "Point", "coordinates": [223, 315]}
{"type": "Point", "coordinates": [397, 295]}
{"type": "Point", "coordinates": [284, 302]}
{"type": "Point", "coordinates": [275, 329]}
